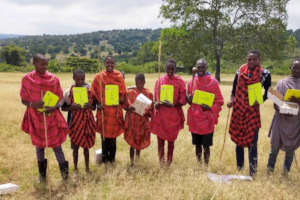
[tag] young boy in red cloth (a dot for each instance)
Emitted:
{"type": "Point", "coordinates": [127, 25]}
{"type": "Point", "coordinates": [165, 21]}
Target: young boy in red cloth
{"type": "Point", "coordinates": [82, 123]}
{"type": "Point", "coordinates": [113, 121]}
{"type": "Point", "coordinates": [137, 127]}
{"type": "Point", "coordinates": [168, 118]}
{"type": "Point", "coordinates": [202, 118]}
{"type": "Point", "coordinates": [33, 87]}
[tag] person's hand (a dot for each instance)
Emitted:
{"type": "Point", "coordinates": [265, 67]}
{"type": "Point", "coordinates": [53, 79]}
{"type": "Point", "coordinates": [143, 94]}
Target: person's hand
{"type": "Point", "coordinates": [38, 104]}
{"type": "Point", "coordinates": [167, 104]}
{"type": "Point", "coordinates": [295, 100]}
{"type": "Point", "coordinates": [130, 108]}
{"type": "Point", "coordinates": [49, 109]}
{"type": "Point", "coordinates": [205, 107]}
{"type": "Point", "coordinates": [189, 99]}
{"type": "Point", "coordinates": [75, 106]}
{"type": "Point", "coordinates": [229, 104]}
{"type": "Point", "coordinates": [87, 106]}
{"type": "Point", "coordinates": [255, 103]}
{"type": "Point", "coordinates": [122, 100]}
{"type": "Point", "coordinates": [99, 106]}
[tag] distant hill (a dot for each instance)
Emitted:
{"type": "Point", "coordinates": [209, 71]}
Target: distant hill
{"type": "Point", "coordinates": [6, 36]}
{"type": "Point", "coordinates": [120, 43]}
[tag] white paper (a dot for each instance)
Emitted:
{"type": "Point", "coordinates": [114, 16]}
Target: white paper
{"type": "Point", "coordinates": [284, 107]}
{"type": "Point", "coordinates": [141, 103]}
{"type": "Point", "coordinates": [227, 178]}
{"type": "Point", "coordinates": [8, 188]}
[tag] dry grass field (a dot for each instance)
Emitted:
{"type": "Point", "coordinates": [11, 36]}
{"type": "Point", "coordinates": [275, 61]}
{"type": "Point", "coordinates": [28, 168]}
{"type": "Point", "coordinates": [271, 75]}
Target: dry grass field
{"type": "Point", "coordinates": [185, 179]}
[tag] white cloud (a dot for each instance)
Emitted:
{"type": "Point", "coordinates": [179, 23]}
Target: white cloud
{"type": "Point", "coordinates": [79, 16]}
{"type": "Point", "coordinates": [294, 14]}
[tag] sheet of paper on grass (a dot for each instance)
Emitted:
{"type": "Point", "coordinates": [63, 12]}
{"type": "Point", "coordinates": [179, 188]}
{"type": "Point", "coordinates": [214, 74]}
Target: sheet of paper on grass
{"type": "Point", "coordinates": [8, 188]}
{"type": "Point", "coordinates": [50, 99]}
{"type": "Point", "coordinates": [227, 178]}
{"type": "Point", "coordinates": [201, 97]}
{"type": "Point", "coordinates": [141, 103]}
{"type": "Point", "coordinates": [111, 95]}
{"type": "Point", "coordinates": [80, 95]}
{"type": "Point", "coordinates": [291, 93]}
{"type": "Point", "coordinates": [255, 93]}
{"type": "Point", "coordinates": [167, 93]}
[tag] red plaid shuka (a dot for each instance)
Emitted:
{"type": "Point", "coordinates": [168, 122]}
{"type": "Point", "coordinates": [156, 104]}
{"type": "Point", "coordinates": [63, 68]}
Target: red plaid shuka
{"type": "Point", "coordinates": [137, 128]}
{"type": "Point", "coordinates": [245, 119]}
{"type": "Point", "coordinates": [83, 125]}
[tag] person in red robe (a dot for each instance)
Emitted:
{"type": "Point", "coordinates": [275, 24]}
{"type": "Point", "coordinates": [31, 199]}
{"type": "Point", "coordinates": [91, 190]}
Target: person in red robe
{"type": "Point", "coordinates": [168, 118]}
{"type": "Point", "coordinates": [137, 127]}
{"type": "Point", "coordinates": [112, 121]}
{"type": "Point", "coordinates": [202, 118]}
{"type": "Point", "coordinates": [82, 123]}
{"type": "Point", "coordinates": [48, 129]}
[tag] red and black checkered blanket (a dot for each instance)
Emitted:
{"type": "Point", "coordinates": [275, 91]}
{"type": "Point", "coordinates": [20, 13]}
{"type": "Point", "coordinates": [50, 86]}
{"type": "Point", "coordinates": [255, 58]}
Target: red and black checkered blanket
{"type": "Point", "coordinates": [245, 119]}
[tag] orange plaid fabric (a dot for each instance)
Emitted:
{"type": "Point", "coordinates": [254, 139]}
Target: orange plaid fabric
{"type": "Point", "coordinates": [113, 115]}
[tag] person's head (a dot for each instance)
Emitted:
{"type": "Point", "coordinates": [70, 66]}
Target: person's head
{"type": "Point", "coordinates": [170, 67]}
{"type": "Point", "coordinates": [109, 63]}
{"type": "Point", "coordinates": [201, 65]}
{"type": "Point", "coordinates": [40, 63]}
{"type": "Point", "coordinates": [140, 81]}
{"type": "Point", "coordinates": [253, 59]}
{"type": "Point", "coordinates": [295, 68]}
{"type": "Point", "coordinates": [79, 77]}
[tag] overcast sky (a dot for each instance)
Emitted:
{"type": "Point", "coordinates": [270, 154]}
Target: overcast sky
{"type": "Point", "coordinates": [80, 16]}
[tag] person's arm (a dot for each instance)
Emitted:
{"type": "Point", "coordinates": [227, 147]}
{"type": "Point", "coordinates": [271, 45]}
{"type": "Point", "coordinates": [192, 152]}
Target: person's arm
{"type": "Point", "coordinates": [35, 105]}
{"type": "Point", "coordinates": [267, 84]}
{"type": "Point", "coordinates": [229, 104]}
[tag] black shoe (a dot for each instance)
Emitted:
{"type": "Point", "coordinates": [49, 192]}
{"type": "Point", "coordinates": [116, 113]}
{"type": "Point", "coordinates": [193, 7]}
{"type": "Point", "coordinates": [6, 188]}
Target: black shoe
{"type": "Point", "coordinates": [42, 171]}
{"type": "Point", "coordinates": [64, 169]}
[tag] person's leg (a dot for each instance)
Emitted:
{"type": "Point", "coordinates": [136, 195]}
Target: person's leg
{"type": "Point", "coordinates": [239, 157]}
{"type": "Point", "coordinates": [252, 152]}
{"type": "Point", "coordinates": [206, 154]}
{"type": "Point", "coordinates": [170, 152]}
{"type": "Point", "coordinates": [131, 154]}
{"type": "Point", "coordinates": [86, 159]}
{"type": "Point", "coordinates": [138, 152]}
{"type": "Point", "coordinates": [198, 151]}
{"type": "Point", "coordinates": [161, 150]}
{"type": "Point", "coordinates": [113, 149]}
{"type": "Point", "coordinates": [272, 159]}
{"type": "Point", "coordinates": [289, 157]}
{"type": "Point", "coordinates": [42, 163]}
{"type": "Point", "coordinates": [104, 149]}
{"type": "Point", "coordinates": [75, 155]}
{"type": "Point", "coordinates": [63, 164]}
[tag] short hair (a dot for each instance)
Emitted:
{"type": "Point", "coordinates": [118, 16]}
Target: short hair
{"type": "Point", "coordinates": [109, 57]}
{"type": "Point", "coordinates": [78, 71]}
{"type": "Point", "coordinates": [171, 60]}
{"type": "Point", "coordinates": [37, 57]}
{"type": "Point", "coordinates": [256, 52]}
{"type": "Point", "coordinates": [202, 60]}
{"type": "Point", "coordinates": [140, 76]}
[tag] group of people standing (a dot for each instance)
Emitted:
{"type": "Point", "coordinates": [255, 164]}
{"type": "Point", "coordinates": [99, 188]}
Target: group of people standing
{"type": "Point", "coordinates": [163, 118]}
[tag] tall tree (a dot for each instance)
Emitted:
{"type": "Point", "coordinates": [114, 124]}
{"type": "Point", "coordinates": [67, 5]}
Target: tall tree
{"type": "Point", "coordinates": [229, 23]}
{"type": "Point", "coordinates": [13, 55]}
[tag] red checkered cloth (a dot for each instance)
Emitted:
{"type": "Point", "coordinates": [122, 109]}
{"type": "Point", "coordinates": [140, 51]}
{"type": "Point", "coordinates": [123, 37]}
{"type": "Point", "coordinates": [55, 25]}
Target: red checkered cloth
{"type": "Point", "coordinates": [245, 119]}
{"type": "Point", "coordinates": [83, 125]}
